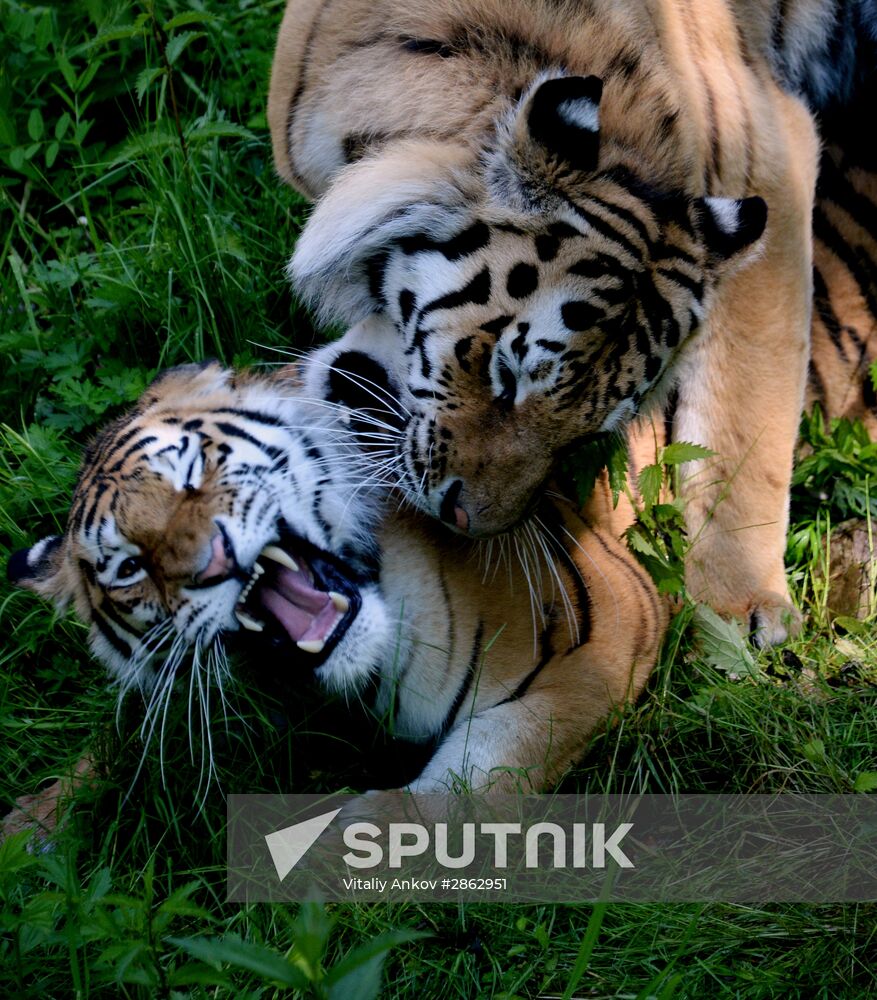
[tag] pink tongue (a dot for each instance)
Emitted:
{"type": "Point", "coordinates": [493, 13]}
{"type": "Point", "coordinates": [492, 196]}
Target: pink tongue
{"type": "Point", "coordinates": [305, 613]}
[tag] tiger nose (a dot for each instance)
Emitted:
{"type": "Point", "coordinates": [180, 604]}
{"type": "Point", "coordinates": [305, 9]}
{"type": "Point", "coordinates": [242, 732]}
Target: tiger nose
{"type": "Point", "coordinates": [222, 560]}
{"type": "Point", "coordinates": [450, 511]}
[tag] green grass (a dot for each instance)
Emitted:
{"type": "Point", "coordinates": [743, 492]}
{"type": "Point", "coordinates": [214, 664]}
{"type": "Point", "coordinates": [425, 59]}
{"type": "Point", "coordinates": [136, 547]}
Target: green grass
{"type": "Point", "coordinates": [134, 237]}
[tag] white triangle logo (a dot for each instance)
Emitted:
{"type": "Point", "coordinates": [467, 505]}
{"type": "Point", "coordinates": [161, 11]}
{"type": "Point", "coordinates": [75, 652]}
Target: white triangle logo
{"type": "Point", "coordinates": [289, 845]}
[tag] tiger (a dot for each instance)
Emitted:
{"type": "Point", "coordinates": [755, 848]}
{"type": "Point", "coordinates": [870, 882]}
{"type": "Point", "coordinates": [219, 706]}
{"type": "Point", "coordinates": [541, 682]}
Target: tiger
{"type": "Point", "coordinates": [236, 510]}
{"type": "Point", "coordinates": [573, 213]}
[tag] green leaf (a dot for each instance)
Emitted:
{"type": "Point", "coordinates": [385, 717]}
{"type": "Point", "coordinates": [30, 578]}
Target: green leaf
{"type": "Point", "coordinates": [35, 125]}
{"type": "Point", "coordinates": [210, 130]}
{"type": "Point", "coordinates": [118, 33]}
{"type": "Point", "coordinates": [67, 70]}
{"type": "Point", "coordinates": [639, 543]}
{"type": "Point", "coordinates": [721, 644]}
{"type": "Point", "coordinates": [866, 782]}
{"type": "Point", "coordinates": [243, 955]}
{"type": "Point", "coordinates": [683, 451]}
{"type": "Point", "coordinates": [190, 17]}
{"type": "Point", "coordinates": [61, 125]}
{"type": "Point", "coordinates": [649, 482]}
{"type": "Point", "coordinates": [617, 466]}
{"type": "Point", "coordinates": [197, 974]}
{"type": "Point", "coordinates": [814, 751]}
{"type": "Point", "coordinates": [311, 932]}
{"type": "Point", "coordinates": [177, 45]}
{"type": "Point", "coordinates": [45, 30]}
{"type": "Point", "coordinates": [145, 78]}
{"type": "Point", "coordinates": [358, 975]}
{"type": "Point", "coordinates": [52, 153]}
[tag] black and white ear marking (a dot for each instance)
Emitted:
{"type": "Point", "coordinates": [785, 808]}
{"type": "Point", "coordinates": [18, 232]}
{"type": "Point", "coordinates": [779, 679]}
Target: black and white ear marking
{"type": "Point", "coordinates": [728, 226]}
{"type": "Point", "coordinates": [564, 117]}
{"type": "Point", "coordinates": [35, 568]}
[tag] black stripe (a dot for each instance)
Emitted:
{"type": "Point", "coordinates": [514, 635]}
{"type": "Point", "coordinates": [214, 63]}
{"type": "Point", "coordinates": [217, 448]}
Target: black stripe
{"type": "Point", "coordinates": [464, 244]}
{"type": "Point", "coordinates": [835, 186]}
{"type": "Point", "coordinates": [544, 659]}
{"type": "Point", "coordinates": [605, 229]}
{"type": "Point", "coordinates": [232, 430]}
{"type": "Point", "coordinates": [863, 271]}
{"type": "Point", "coordinates": [825, 312]}
{"type": "Point", "coordinates": [625, 215]}
{"type": "Point", "coordinates": [467, 680]}
{"type": "Point", "coordinates": [115, 640]}
{"type": "Point", "coordinates": [683, 280]}
{"type": "Point", "coordinates": [254, 415]}
{"type": "Point", "coordinates": [476, 292]}
{"type": "Point", "coordinates": [427, 46]}
{"type": "Point", "coordinates": [99, 491]}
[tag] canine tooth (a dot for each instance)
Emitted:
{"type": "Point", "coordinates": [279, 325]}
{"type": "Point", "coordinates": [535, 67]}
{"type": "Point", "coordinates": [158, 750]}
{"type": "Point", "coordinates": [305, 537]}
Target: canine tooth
{"type": "Point", "coordinates": [279, 556]}
{"type": "Point", "coordinates": [249, 622]}
{"type": "Point", "coordinates": [311, 645]}
{"type": "Point", "coordinates": [340, 601]}
{"type": "Point", "coordinates": [258, 569]}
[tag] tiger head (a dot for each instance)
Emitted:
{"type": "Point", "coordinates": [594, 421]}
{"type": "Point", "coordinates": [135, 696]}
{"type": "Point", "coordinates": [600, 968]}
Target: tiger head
{"type": "Point", "coordinates": [539, 291]}
{"type": "Point", "coordinates": [219, 508]}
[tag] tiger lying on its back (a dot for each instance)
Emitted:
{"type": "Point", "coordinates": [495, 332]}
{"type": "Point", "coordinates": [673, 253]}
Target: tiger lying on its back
{"type": "Point", "coordinates": [222, 504]}
{"type": "Point", "coordinates": [546, 201]}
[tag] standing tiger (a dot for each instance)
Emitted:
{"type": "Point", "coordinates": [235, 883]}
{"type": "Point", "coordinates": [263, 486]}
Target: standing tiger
{"type": "Point", "coordinates": [230, 509]}
{"type": "Point", "coordinates": [547, 199]}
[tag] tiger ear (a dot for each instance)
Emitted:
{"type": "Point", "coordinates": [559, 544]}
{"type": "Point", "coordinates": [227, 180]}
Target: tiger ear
{"type": "Point", "coordinates": [42, 569]}
{"type": "Point", "coordinates": [549, 143]}
{"type": "Point", "coordinates": [194, 379]}
{"type": "Point", "coordinates": [731, 229]}
{"type": "Point", "coordinates": [563, 119]}
{"type": "Point", "coordinates": [415, 189]}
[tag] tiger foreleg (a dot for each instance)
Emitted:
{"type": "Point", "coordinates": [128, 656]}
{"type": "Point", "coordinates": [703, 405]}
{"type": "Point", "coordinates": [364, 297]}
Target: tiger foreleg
{"type": "Point", "coordinates": [741, 391]}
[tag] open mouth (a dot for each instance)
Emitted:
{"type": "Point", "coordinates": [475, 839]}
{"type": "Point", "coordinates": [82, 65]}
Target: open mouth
{"type": "Point", "coordinates": [299, 594]}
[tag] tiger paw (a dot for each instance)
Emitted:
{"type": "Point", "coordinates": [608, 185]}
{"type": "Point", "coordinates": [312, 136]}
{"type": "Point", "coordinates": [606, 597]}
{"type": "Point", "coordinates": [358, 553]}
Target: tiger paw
{"type": "Point", "coordinates": [773, 619]}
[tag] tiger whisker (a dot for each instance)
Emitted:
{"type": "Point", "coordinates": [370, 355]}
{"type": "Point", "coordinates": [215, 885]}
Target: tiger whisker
{"type": "Point", "coordinates": [358, 380]}
{"type": "Point", "coordinates": [540, 529]}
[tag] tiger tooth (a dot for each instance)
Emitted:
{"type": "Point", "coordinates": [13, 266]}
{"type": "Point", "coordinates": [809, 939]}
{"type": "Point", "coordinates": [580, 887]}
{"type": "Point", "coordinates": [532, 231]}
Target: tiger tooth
{"type": "Point", "coordinates": [311, 645]}
{"type": "Point", "coordinates": [340, 601]}
{"type": "Point", "coordinates": [248, 622]}
{"type": "Point", "coordinates": [258, 569]}
{"type": "Point", "coordinates": [277, 554]}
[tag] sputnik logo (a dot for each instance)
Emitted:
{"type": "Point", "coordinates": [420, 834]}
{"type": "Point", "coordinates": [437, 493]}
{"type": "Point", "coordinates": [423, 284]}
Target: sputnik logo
{"type": "Point", "coordinates": [289, 845]}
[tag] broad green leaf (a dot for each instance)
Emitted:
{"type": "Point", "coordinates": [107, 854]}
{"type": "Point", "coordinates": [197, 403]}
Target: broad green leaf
{"type": "Point", "coordinates": [721, 644]}
{"type": "Point", "coordinates": [179, 43]}
{"type": "Point", "coordinates": [119, 33]}
{"type": "Point", "coordinates": [311, 933]}
{"type": "Point", "coordinates": [190, 17]}
{"type": "Point", "coordinates": [145, 78]}
{"type": "Point", "coordinates": [35, 125]}
{"type": "Point", "coordinates": [358, 975]}
{"type": "Point", "coordinates": [683, 451]}
{"type": "Point", "coordinates": [61, 125]}
{"type": "Point", "coordinates": [44, 30]}
{"type": "Point", "coordinates": [814, 750]}
{"type": "Point", "coordinates": [67, 70]}
{"type": "Point", "coordinates": [866, 782]}
{"type": "Point", "coordinates": [243, 955]}
{"type": "Point", "coordinates": [649, 482]}
{"type": "Point", "coordinates": [641, 544]}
